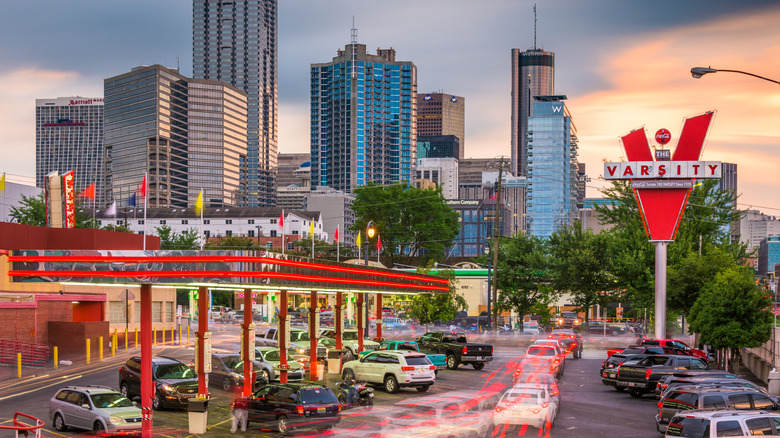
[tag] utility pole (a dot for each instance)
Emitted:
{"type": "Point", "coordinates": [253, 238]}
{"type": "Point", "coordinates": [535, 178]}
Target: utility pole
{"type": "Point", "coordinates": [496, 233]}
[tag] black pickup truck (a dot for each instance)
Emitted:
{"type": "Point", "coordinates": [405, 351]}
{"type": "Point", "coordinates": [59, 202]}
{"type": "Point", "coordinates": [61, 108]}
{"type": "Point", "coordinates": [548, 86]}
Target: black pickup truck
{"type": "Point", "coordinates": [457, 349]}
{"type": "Point", "coordinates": [641, 377]}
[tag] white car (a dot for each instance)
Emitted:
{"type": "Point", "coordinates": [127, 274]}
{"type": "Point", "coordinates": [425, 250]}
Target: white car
{"type": "Point", "coordinates": [393, 369]}
{"type": "Point", "coordinates": [706, 423]}
{"type": "Point", "coordinates": [349, 341]}
{"type": "Point", "coordinates": [526, 404]}
{"type": "Point", "coordinates": [560, 349]}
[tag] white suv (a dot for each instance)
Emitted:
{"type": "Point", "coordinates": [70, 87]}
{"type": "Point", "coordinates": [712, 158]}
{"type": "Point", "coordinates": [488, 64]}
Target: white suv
{"type": "Point", "coordinates": [349, 341]}
{"type": "Point", "coordinates": [393, 369]}
{"type": "Point", "coordinates": [706, 423]}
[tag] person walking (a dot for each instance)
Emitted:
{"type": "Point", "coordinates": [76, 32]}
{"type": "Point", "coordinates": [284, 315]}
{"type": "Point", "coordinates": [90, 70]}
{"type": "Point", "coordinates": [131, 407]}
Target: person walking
{"type": "Point", "coordinates": [240, 414]}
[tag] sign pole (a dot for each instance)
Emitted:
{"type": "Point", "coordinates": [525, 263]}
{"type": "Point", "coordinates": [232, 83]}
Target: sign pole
{"type": "Point", "coordinates": [660, 288]}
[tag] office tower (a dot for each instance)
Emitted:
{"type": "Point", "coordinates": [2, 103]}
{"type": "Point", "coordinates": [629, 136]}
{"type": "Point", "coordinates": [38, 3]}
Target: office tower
{"type": "Point", "coordinates": [533, 74]}
{"type": "Point", "coordinates": [363, 125]}
{"type": "Point", "coordinates": [728, 183]}
{"type": "Point", "coordinates": [69, 136]}
{"type": "Point", "coordinates": [441, 114]}
{"type": "Point", "coordinates": [552, 167]}
{"type": "Point", "coordinates": [438, 146]}
{"type": "Point", "coordinates": [441, 172]}
{"type": "Point", "coordinates": [294, 169]}
{"type": "Point", "coordinates": [186, 134]}
{"type": "Point", "coordinates": [236, 42]}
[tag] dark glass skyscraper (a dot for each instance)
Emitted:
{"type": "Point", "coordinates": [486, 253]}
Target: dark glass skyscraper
{"type": "Point", "coordinates": [533, 74]}
{"type": "Point", "coordinates": [236, 42]}
{"type": "Point", "coordinates": [441, 114]}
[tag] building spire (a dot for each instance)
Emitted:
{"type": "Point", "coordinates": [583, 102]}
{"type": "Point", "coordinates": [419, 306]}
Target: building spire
{"type": "Point", "coordinates": [354, 46]}
{"type": "Point", "coordinates": [534, 26]}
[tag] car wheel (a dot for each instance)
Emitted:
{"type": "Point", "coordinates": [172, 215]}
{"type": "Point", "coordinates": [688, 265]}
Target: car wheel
{"type": "Point", "coordinates": [391, 384]}
{"type": "Point", "coordinates": [478, 366]}
{"type": "Point", "coordinates": [226, 384]}
{"type": "Point", "coordinates": [281, 424]}
{"type": "Point", "coordinates": [636, 393]}
{"type": "Point", "coordinates": [348, 374]}
{"type": "Point", "coordinates": [124, 390]}
{"type": "Point", "coordinates": [423, 388]}
{"type": "Point", "coordinates": [452, 362]}
{"type": "Point", "coordinates": [157, 402]}
{"type": "Point", "coordinates": [98, 426]}
{"type": "Point", "coordinates": [264, 374]}
{"type": "Point", "coordinates": [435, 372]}
{"type": "Point", "coordinates": [59, 423]}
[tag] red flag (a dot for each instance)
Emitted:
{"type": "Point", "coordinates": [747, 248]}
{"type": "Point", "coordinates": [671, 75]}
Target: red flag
{"type": "Point", "coordinates": [142, 188]}
{"type": "Point", "coordinates": [89, 192]}
{"type": "Point", "coordinates": [379, 243]}
{"type": "Point", "coordinates": [281, 220]}
{"type": "Point", "coordinates": [336, 235]}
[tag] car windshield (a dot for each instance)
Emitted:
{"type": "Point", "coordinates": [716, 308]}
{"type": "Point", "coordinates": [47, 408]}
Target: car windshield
{"type": "Point", "coordinates": [317, 395]}
{"type": "Point", "coordinates": [300, 336]}
{"type": "Point", "coordinates": [349, 336]}
{"type": "Point", "coordinates": [543, 351]}
{"type": "Point", "coordinates": [110, 400]}
{"type": "Point", "coordinates": [239, 367]}
{"type": "Point", "coordinates": [174, 371]}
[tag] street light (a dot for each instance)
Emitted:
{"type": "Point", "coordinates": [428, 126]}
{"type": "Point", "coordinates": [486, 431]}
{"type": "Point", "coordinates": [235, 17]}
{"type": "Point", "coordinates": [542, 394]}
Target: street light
{"type": "Point", "coordinates": [370, 233]}
{"type": "Point", "coordinates": [698, 72]}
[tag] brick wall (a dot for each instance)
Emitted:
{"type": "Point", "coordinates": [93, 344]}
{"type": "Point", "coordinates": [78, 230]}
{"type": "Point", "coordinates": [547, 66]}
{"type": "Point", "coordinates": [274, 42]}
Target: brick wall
{"type": "Point", "coordinates": [70, 338]}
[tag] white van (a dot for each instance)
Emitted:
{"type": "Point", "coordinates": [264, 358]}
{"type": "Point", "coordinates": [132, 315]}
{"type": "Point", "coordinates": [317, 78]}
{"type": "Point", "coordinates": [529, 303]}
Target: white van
{"type": "Point", "coordinates": [706, 424]}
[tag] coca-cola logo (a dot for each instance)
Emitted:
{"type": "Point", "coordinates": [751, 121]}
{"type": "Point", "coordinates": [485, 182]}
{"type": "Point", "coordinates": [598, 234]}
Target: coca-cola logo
{"type": "Point", "coordinates": [662, 136]}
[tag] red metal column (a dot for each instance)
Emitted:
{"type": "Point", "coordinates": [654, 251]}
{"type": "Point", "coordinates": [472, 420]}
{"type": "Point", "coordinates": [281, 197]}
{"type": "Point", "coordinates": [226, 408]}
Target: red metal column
{"type": "Point", "coordinates": [147, 385]}
{"type": "Point", "coordinates": [360, 321]}
{"type": "Point", "coordinates": [249, 377]}
{"type": "Point", "coordinates": [312, 335]}
{"type": "Point", "coordinates": [338, 320]}
{"type": "Point", "coordinates": [203, 327]}
{"type": "Point", "coordinates": [378, 305]}
{"type": "Point", "coordinates": [282, 336]}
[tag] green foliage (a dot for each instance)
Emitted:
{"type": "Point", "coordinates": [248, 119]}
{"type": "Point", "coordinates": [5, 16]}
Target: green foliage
{"type": "Point", "coordinates": [232, 242]}
{"type": "Point", "coordinates": [122, 228]}
{"type": "Point", "coordinates": [524, 275]}
{"type": "Point", "coordinates": [182, 241]}
{"type": "Point", "coordinates": [32, 211]}
{"type": "Point", "coordinates": [427, 307]}
{"type": "Point", "coordinates": [410, 221]}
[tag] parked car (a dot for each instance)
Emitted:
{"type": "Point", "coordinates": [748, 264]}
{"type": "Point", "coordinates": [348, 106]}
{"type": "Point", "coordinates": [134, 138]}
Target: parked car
{"type": "Point", "coordinates": [570, 339]}
{"type": "Point", "coordinates": [174, 382]}
{"type": "Point", "coordinates": [272, 356]}
{"type": "Point", "coordinates": [439, 360]}
{"type": "Point", "coordinates": [457, 349]}
{"type": "Point", "coordinates": [227, 370]}
{"type": "Point", "coordinates": [286, 406]}
{"type": "Point", "coordinates": [551, 352]}
{"type": "Point", "coordinates": [526, 404]}
{"type": "Point", "coordinates": [642, 377]}
{"type": "Point", "coordinates": [540, 378]}
{"type": "Point", "coordinates": [596, 328]}
{"type": "Point", "coordinates": [687, 398]}
{"type": "Point", "coordinates": [392, 368]}
{"type": "Point", "coordinates": [96, 408]}
{"type": "Point", "coordinates": [689, 376]}
{"type": "Point", "coordinates": [566, 320]}
{"type": "Point", "coordinates": [675, 344]}
{"type": "Point", "coordinates": [710, 424]}
{"type": "Point", "coordinates": [609, 368]}
{"type": "Point", "coordinates": [299, 340]}
{"type": "Point", "coordinates": [349, 342]}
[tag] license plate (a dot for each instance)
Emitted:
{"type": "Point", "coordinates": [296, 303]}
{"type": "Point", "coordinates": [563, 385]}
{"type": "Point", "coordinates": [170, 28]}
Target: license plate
{"type": "Point", "coordinates": [632, 384]}
{"type": "Point", "coordinates": [479, 358]}
{"type": "Point", "coordinates": [320, 410]}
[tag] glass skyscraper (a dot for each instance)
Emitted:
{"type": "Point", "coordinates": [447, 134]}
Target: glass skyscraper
{"type": "Point", "coordinates": [236, 42]}
{"type": "Point", "coordinates": [185, 134]}
{"type": "Point", "coordinates": [69, 136]}
{"type": "Point", "coordinates": [552, 167]}
{"type": "Point", "coordinates": [363, 119]}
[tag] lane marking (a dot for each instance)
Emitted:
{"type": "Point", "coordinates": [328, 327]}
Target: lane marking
{"type": "Point", "coordinates": [59, 381]}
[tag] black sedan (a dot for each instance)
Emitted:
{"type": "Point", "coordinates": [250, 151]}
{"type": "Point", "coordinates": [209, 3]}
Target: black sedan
{"type": "Point", "coordinates": [285, 406]}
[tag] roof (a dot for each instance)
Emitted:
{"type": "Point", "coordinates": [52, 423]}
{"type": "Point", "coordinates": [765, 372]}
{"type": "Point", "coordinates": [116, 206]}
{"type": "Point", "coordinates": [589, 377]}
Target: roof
{"type": "Point", "coordinates": [721, 414]}
{"type": "Point", "coordinates": [91, 389]}
{"type": "Point", "coordinates": [159, 359]}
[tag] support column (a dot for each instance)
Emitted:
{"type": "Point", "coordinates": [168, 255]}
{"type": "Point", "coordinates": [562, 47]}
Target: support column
{"type": "Point", "coordinates": [147, 385]}
{"type": "Point", "coordinates": [378, 305]}
{"type": "Point", "coordinates": [282, 328]}
{"type": "Point", "coordinates": [313, 310]}
{"type": "Point", "coordinates": [660, 289]}
{"type": "Point", "coordinates": [337, 323]}
{"type": "Point", "coordinates": [249, 377]}
{"type": "Point", "coordinates": [271, 308]}
{"type": "Point", "coordinates": [350, 307]}
{"type": "Point", "coordinates": [203, 327]}
{"type": "Point", "coordinates": [360, 309]}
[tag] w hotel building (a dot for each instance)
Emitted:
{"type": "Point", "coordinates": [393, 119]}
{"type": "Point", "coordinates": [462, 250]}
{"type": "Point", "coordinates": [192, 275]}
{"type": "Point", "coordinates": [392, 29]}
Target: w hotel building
{"type": "Point", "coordinates": [186, 134]}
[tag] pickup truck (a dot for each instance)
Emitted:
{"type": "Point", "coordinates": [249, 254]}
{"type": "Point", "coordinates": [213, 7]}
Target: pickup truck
{"type": "Point", "coordinates": [642, 377]}
{"type": "Point", "coordinates": [299, 341]}
{"type": "Point", "coordinates": [674, 343]}
{"type": "Point", "coordinates": [440, 360]}
{"type": "Point", "coordinates": [456, 348]}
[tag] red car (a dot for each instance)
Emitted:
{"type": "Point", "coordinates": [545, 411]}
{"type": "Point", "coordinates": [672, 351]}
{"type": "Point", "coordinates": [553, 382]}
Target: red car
{"type": "Point", "coordinates": [674, 343]}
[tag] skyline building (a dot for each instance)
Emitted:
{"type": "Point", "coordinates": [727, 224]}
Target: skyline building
{"type": "Point", "coordinates": [441, 172]}
{"type": "Point", "coordinates": [185, 134]}
{"type": "Point", "coordinates": [439, 146]}
{"type": "Point", "coordinates": [552, 167]}
{"type": "Point", "coordinates": [69, 136]}
{"type": "Point", "coordinates": [363, 119]}
{"type": "Point", "coordinates": [533, 74]}
{"type": "Point", "coordinates": [441, 114]}
{"type": "Point", "coordinates": [236, 42]}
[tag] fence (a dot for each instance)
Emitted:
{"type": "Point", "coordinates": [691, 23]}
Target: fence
{"type": "Point", "coordinates": [32, 354]}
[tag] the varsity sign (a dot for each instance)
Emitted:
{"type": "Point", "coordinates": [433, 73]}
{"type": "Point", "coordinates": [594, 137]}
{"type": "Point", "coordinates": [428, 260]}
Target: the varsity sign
{"type": "Point", "coordinates": [662, 169]}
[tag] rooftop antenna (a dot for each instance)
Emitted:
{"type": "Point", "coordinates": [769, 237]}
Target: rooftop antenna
{"type": "Point", "coordinates": [354, 46]}
{"type": "Point", "coordinates": [534, 26]}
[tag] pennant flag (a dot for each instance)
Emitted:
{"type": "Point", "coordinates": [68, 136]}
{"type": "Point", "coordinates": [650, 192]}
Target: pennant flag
{"type": "Point", "coordinates": [336, 234]}
{"type": "Point", "coordinates": [199, 203]}
{"type": "Point", "coordinates": [311, 229]}
{"type": "Point", "coordinates": [142, 187]}
{"type": "Point", "coordinates": [357, 240]}
{"type": "Point", "coordinates": [281, 220]}
{"type": "Point", "coordinates": [131, 201]}
{"type": "Point", "coordinates": [2, 182]}
{"type": "Point", "coordinates": [89, 192]}
{"type": "Point", "coordinates": [111, 211]}
{"type": "Point", "coordinates": [379, 243]}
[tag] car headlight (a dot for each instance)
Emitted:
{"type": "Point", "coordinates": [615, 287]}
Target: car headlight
{"type": "Point", "coordinates": [167, 388]}
{"type": "Point", "coordinates": [116, 420]}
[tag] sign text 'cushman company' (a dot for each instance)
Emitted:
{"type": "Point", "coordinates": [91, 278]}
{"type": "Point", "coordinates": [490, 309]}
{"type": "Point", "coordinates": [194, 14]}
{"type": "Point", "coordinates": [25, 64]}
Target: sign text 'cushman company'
{"type": "Point", "coordinates": [662, 169]}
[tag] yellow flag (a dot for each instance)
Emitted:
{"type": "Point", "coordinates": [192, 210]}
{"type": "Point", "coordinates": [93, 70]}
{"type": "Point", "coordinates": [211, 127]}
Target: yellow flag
{"type": "Point", "coordinates": [199, 204]}
{"type": "Point", "coordinates": [311, 229]}
{"type": "Point", "coordinates": [357, 240]}
{"type": "Point", "coordinates": [2, 182]}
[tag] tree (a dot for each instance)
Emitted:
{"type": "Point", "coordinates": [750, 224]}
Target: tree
{"type": "Point", "coordinates": [524, 277]}
{"type": "Point", "coordinates": [121, 228]}
{"type": "Point", "coordinates": [233, 242]}
{"type": "Point", "coordinates": [732, 312]}
{"type": "Point", "coordinates": [181, 241]}
{"type": "Point", "coordinates": [32, 211]}
{"type": "Point", "coordinates": [429, 307]}
{"type": "Point", "coordinates": [410, 221]}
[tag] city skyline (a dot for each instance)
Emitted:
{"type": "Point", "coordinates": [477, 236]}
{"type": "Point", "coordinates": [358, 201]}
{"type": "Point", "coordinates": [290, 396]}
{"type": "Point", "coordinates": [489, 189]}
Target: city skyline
{"type": "Point", "coordinates": [622, 66]}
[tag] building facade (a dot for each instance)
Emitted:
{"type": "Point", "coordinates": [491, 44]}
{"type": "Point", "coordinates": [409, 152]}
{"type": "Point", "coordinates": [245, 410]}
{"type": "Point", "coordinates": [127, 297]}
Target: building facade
{"type": "Point", "coordinates": [237, 42]}
{"type": "Point", "coordinates": [363, 119]}
{"type": "Point", "coordinates": [442, 172]}
{"type": "Point", "coordinates": [441, 114]}
{"type": "Point", "coordinates": [755, 227]}
{"type": "Point", "coordinates": [439, 146]}
{"type": "Point", "coordinates": [552, 167]}
{"type": "Point", "coordinates": [185, 135]}
{"type": "Point", "coordinates": [533, 74]}
{"type": "Point", "coordinates": [69, 136]}
{"type": "Point", "coordinates": [335, 206]}
{"type": "Point", "coordinates": [768, 256]}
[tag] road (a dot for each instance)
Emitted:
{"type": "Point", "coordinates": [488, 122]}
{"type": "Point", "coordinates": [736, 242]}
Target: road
{"type": "Point", "coordinates": [588, 408]}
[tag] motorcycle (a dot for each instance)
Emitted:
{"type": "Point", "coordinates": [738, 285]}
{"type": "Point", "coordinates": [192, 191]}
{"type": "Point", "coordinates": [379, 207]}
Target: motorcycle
{"type": "Point", "coordinates": [365, 395]}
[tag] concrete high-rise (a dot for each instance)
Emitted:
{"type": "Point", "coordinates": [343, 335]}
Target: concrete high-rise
{"type": "Point", "coordinates": [69, 136]}
{"type": "Point", "coordinates": [185, 134]}
{"type": "Point", "coordinates": [533, 74]}
{"type": "Point", "coordinates": [441, 114]}
{"type": "Point", "coordinates": [236, 42]}
{"type": "Point", "coordinates": [363, 119]}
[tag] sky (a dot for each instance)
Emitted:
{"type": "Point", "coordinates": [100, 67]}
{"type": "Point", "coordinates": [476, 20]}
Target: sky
{"type": "Point", "coordinates": [622, 65]}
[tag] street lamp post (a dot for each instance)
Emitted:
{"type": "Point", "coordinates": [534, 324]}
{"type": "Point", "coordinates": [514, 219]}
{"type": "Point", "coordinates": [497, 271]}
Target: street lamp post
{"type": "Point", "coordinates": [487, 251]}
{"type": "Point", "coordinates": [698, 72]}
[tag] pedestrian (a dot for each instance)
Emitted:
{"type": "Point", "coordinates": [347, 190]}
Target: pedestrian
{"type": "Point", "coordinates": [240, 414]}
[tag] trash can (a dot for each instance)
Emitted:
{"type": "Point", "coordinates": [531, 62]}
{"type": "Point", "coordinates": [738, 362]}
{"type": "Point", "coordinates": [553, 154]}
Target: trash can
{"type": "Point", "coordinates": [197, 409]}
{"type": "Point", "coordinates": [334, 361]}
{"type": "Point", "coordinates": [774, 382]}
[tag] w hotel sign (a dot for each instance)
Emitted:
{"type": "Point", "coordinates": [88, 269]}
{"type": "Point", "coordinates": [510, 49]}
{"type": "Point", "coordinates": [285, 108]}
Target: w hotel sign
{"type": "Point", "coordinates": [662, 182]}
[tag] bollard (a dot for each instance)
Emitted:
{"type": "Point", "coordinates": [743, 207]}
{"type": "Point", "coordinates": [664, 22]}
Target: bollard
{"type": "Point", "coordinates": [19, 365]}
{"type": "Point", "coordinates": [136, 337]}
{"type": "Point", "coordinates": [173, 335]}
{"type": "Point", "coordinates": [188, 335]}
{"type": "Point", "coordinates": [56, 359]}
{"type": "Point", "coordinates": [179, 335]}
{"type": "Point", "coordinates": [154, 336]}
{"type": "Point", "coordinates": [100, 348]}
{"type": "Point", "coordinates": [113, 346]}
{"type": "Point", "coordinates": [125, 338]}
{"type": "Point", "coordinates": [88, 361]}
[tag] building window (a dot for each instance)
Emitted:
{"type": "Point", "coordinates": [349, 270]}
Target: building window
{"type": "Point", "coordinates": [250, 233]}
{"type": "Point", "coordinates": [141, 222]}
{"type": "Point", "coordinates": [117, 311]}
{"type": "Point", "coordinates": [251, 221]}
{"type": "Point", "coordinates": [156, 311]}
{"type": "Point", "coordinates": [290, 246]}
{"type": "Point", "coordinates": [269, 245]}
{"type": "Point", "coordinates": [273, 233]}
{"type": "Point", "coordinates": [163, 222]}
{"type": "Point", "coordinates": [295, 231]}
{"type": "Point", "coordinates": [207, 233]}
{"type": "Point", "coordinates": [229, 233]}
{"type": "Point", "coordinates": [228, 221]}
{"type": "Point", "coordinates": [206, 221]}
{"type": "Point", "coordinates": [273, 221]}
{"type": "Point", "coordinates": [185, 222]}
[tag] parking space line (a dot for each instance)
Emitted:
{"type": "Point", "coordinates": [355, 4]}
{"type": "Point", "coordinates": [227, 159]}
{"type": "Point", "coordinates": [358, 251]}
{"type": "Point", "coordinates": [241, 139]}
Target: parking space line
{"type": "Point", "coordinates": [53, 432]}
{"type": "Point", "coordinates": [59, 381]}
